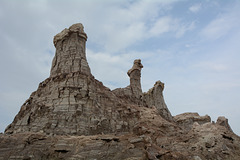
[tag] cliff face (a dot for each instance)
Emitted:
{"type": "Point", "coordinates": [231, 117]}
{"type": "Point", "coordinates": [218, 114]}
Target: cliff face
{"type": "Point", "coordinates": [74, 116]}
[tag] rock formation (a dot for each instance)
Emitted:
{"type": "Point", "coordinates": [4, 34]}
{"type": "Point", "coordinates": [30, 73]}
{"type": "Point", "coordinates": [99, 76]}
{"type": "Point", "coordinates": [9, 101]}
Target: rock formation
{"type": "Point", "coordinates": [70, 54]}
{"type": "Point", "coordinates": [71, 101]}
{"type": "Point", "coordinates": [224, 122]}
{"type": "Point", "coordinates": [154, 97]}
{"type": "Point", "coordinates": [135, 78]}
{"type": "Point", "coordinates": [186, 120]}
{"type": "Point", "coordinates": [74, 116]}
{"type": "Point", "coordinates": [133, 92]}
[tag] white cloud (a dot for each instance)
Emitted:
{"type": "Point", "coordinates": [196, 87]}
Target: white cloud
{"type": "Point", "coordinates": [162, 25]}
{"type": "Point", "coordinates": [108, 68]}
{"type": "Point", "coordinates": [117, 38]}
{"type": "Point", "coordinates": [171, 25]}
{"type": "Point", "coordinates": [224, 24]}
{"type": "Point", "coordinates": [217, 28]}
{"type": "Point", "coordinates": [129, 24]}
{"type": "Point", "coordinates": [212, 66]}
{"type": "Point", "coordinates": [195, 8]}
{"type": "Point", "coordinates": [181, 29]}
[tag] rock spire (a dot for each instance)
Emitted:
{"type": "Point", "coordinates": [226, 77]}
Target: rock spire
{"type": "Point", "coordinates": [133, 92]}
{"type": "Point", "coordinates": [135, 78]}
{"type": "Point", "coordinates": [70, 53]}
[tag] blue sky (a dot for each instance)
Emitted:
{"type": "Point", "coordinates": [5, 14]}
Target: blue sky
{"type": "Point", "coordinates": [190, 45]}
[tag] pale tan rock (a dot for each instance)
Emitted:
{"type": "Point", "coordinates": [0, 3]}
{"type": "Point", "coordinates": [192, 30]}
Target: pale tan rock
{"type": "Point", "coordinates": [71, 101]}
{"type": "Point", "coordinates": [223, 122]}
{"type": "Point", "coordinates": [40, 146]}
{"type": "Point", "coordinates": [135, 78]}
{"type": "Point", "coordinates": [133, 92]}
{"type": "Point", "coordinates": [70, 54]}
{"type": "Point", "coordinates": [78, 28]}
{"type": "Point", "coordinates": [154, 97]}
{"type": "Point", "coordinates": [189, 120]}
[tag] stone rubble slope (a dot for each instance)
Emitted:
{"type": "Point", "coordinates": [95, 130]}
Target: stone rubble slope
{"type": "Point", "coordinates": [74, 116]}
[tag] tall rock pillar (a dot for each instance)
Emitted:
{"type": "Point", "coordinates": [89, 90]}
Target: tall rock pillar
{"type": "Point", "coordinates": [70, 51]}
{"type": "Point", "coordinates": [135, 78]}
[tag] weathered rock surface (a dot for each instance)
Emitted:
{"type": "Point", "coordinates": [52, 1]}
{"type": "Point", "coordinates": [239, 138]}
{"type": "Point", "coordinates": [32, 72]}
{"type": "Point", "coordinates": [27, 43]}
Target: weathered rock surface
{"type": "Point", "coordinates": [70, 52]}
{"type": "Point", "coordinates": [135, 78]}
{"type": "Point", "coordinates": [71, 101]}
{"type": "Point", "coordinates": [224, 122]}
{"type": "Point", "coordinates": [74, 116]}
{"type": "Point", "coordinates": [202, 142]}
{"type": "Point", "coordinates": [186, 120]}
{"type": "Point", "coordinates": [154, 97]}
{"type": "Point", "coordinates": [133, 92]}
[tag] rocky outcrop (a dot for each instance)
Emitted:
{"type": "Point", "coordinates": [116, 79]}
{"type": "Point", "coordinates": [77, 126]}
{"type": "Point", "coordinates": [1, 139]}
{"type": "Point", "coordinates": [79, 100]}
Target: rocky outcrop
{"type": "Point", "coordinates": [223, 122]}
{"type": "Point", "coordinates": [186, 120]}
{"type": "Point", "coordinates": [74, 116]}
{"type": "Point", "coordinates": [202, 142]}
{"type": "Point", "coordinates": [154, 97]}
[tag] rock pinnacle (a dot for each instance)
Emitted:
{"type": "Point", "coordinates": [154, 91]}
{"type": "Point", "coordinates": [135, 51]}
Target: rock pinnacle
{"type": "Point", "coordinates": [70, 51]}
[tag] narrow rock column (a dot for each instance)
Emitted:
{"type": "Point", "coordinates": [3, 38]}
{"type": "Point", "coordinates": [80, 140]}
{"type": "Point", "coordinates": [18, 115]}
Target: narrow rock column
{"type": "Point", "coordinates": [135, 78]}
{"type": "Point", "coordinates": [70, 51]}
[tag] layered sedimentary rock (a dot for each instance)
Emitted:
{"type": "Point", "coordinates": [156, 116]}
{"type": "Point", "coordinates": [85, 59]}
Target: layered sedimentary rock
{"type": "Point", "coordinates": [186, 120]}
{"type": "Point", "coordinates": [151, 141]}
{"type": "Point", "coordinates": [70, 52]}
{"type": "Point", "coordinates": [154, 97]}
{"type": "Point", "coordinates": [74, 116]}
{"type": "Point", "coordinates": [135, 78]}
{"type": "Point", "coordinates": [72, 101]}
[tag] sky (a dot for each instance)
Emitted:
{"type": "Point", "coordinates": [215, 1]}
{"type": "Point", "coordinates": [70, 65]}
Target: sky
{"type": "Point", "coordinates": [190, 45]}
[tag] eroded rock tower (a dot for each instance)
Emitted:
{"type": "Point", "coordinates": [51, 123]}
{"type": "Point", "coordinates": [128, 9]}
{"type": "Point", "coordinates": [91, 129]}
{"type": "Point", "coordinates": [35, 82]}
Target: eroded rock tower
{"type": "Point", "coordinates": [70, 53]}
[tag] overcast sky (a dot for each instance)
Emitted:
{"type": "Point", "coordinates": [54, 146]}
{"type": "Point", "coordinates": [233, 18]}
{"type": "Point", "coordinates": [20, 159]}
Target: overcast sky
{"type": "Point", "coordinates": [190, 45]}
